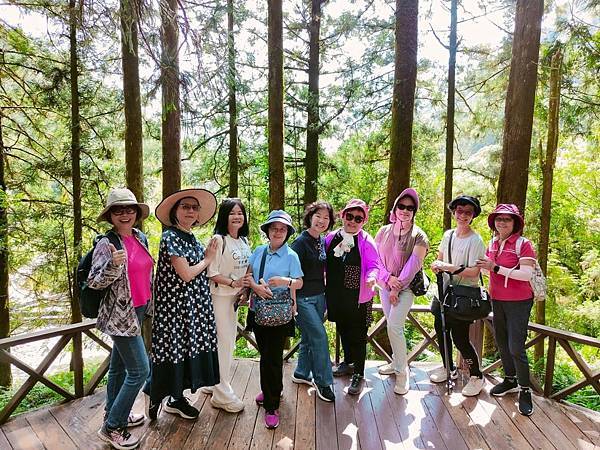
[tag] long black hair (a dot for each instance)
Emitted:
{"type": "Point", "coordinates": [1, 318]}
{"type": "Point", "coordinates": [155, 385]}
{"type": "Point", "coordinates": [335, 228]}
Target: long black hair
{"type": "Point", "coordinates": [223, 217]}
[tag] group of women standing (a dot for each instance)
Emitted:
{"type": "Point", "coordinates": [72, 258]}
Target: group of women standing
{"type": "Point", "coordinates": [327, 274]}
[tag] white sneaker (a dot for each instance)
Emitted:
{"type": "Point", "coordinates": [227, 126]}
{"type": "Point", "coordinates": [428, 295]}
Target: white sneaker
{"type": "Point", "coordinates": [386, 369]}
{"type": "Point", "coordinates": [402, 382]}
{"type": "Point", "coordinates": [473, 387]}
{"type": "Point", "coordinates": [208, 390]}
{"type": "Point", "coordinates": [439, 375]}
{"type": "Point", "coordinates": [234, 406]}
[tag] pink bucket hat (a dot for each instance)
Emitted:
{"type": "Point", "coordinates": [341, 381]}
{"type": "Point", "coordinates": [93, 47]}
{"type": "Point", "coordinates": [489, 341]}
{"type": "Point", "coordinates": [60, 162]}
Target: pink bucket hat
{"type": "Point", "coordinates": [507, 208]}
{"type": "Point", "coordinates": [356, 203]}
{"type": "Point", "coordinates": [408, 192]}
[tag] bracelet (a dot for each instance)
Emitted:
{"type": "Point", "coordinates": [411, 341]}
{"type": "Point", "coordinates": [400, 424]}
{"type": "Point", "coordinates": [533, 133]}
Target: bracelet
{"type": "Point", "coordinates": [231, 283]}
{"type": "Point", "coordinates": [496, 269]}
{"type": "Point", "coordinates": [290, 283]}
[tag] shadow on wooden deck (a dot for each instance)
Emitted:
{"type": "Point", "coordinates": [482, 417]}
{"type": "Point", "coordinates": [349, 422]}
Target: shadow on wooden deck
{"type": "Point", "coordinates": [424, 418]}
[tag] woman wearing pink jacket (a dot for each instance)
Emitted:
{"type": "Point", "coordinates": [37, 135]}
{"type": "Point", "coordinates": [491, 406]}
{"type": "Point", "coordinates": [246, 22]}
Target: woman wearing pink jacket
{"type": "Point", "coordinates": [352, 268]}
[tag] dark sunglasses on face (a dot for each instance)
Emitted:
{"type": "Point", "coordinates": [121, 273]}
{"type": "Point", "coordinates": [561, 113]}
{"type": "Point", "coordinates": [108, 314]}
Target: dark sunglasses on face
{"type": "Point", "coordinates": [503, 219]}
{"type": "Point", "coordinates": [187, 207]}
{"type": "Point", "coordinates": [350, 217]}
{"type": "Point", "coordinates": [402, 207]}
{"type": "Point", "coordinates": [120, 210]}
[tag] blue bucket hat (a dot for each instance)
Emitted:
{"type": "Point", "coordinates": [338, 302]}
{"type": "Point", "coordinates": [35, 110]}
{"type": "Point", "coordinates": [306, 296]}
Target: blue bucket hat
{"type": "Point", "coordinates": [278, 215]}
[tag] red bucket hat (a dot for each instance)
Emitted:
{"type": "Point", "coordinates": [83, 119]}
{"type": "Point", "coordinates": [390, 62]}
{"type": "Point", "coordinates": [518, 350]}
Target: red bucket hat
{"type": "Point", "coordinates": [507, 208]}
{"type": "Point", "coordinates": [354, 204]}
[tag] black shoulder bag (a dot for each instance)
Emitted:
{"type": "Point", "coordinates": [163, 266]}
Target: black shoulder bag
{"type": "Point", "coordinates": [465, 303]}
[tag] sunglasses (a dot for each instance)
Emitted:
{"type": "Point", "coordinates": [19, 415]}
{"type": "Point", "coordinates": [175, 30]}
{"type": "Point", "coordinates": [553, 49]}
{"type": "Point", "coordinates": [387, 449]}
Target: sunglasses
{"type": "Point", "coordinates": [402, 207]}
{"type": "Point", "coordinates": [187, 207]}
{"type": "Point", "coordinates": [503, 219]}
{"type": "Point", "coordinates": [120, 210]}
{"type": "Point", "coordinates": [350, 217]}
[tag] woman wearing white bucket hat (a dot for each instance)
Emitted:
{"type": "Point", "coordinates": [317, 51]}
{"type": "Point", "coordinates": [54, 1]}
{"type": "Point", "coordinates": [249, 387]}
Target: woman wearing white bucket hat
{"type": "Point", "coordinates": [184, 338]}
{"type": "Point", "coordinates": [127, 273]}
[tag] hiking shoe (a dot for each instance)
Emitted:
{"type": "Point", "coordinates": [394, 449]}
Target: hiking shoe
{"type": "Point", "coordinates": [182, 407]}
{"type": "Point", "coordinates": [135, 420]}
{"type": "Point", "coordinates": [439, 375]}
{"type": "Point", "coordinates": [301, 380]}
{"type": "Point", "coordinates": [324, 392]}
{"type": "Point", "coordinates": [272, 419]}
{"type": "Point", "coordinates": [119, 438]}
{"type": "Point", "coordinates": [386, 369]}
{"type": "Point", "coordinates": [473, 387]}
{"type": "Point", "coordinates": [355, 384]}
{"type": "Point", "coordinates": [152, 409]}
{"type": "Point", "coordinates": [508, 386]}
{"type": "Point", "coordinates": [525, 402]}
{"type": "Point", "coordinates": [402, 381]}
{"type": "Point", "coordinates": [234, 406]}
{"type": "Point", "coordinates": [207, 390]}
{"type": "Point", "coordinates": [343, 369]}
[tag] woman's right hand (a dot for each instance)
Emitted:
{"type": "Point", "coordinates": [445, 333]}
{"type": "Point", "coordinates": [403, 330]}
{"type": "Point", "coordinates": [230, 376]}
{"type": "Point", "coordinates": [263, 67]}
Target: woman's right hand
{"type": "Point", "coordinates": [118, 256]}
{"type": "Point", "coordinates": [211, 250]}
{"type": "Point", "coordinates": [262, 291]}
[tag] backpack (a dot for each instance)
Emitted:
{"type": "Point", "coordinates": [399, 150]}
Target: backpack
{"type": "Point", "coordinates": [90, 299]}
{"type": "Point", "coordinates": [537, 282]}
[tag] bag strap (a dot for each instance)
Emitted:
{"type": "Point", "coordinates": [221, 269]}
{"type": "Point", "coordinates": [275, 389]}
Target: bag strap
{"type": "Point", "coordinates": [114, 239]}
{"type": "Point", "coordinates": [261, 271]}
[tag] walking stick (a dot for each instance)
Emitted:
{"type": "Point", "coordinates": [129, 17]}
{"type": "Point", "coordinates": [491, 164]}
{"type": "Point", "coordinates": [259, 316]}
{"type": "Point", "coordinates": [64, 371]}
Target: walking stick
{"type": "Point", "coordinates": [440, 283]}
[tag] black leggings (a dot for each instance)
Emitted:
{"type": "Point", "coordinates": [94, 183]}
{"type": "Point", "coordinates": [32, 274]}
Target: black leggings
{"type": "Point", "coordinates": [457, 330]}
{"type": "Point", "coordinates": [353, 334]}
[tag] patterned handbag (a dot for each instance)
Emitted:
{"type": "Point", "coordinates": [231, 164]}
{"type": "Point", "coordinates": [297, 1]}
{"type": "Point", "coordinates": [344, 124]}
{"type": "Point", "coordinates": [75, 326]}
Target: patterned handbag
{"type": "Point", "coordinates": [419, 284]}
{"type": "Point", "coordinates": [271, 312]}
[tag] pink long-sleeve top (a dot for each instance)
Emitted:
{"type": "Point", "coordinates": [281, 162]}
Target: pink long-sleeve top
{"type": "Point", "coordinates": [369, 262]}
{"type": "Point", "coordinates": [394, 252]}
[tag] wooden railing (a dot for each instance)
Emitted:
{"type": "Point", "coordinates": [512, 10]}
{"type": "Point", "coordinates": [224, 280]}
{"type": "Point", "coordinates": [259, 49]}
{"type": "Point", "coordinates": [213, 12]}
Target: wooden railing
{"type": "Point", "coordinates": [76, 332]}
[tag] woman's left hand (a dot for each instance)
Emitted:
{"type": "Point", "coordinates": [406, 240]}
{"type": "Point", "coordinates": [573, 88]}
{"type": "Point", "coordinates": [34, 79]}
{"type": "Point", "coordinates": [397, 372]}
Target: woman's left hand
{"type": "Point", "coordinates": [394, 283]}
{"type": "Point", "coordinates": [279, 281]}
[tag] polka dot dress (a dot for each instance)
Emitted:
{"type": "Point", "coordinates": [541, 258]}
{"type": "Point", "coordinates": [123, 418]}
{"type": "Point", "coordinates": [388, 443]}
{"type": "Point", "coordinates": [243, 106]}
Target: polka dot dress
{"type": "Point", "coordinates": [184, 337]}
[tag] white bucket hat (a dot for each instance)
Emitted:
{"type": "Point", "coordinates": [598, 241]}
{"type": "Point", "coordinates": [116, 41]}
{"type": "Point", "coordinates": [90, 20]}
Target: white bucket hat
{"type": "Point", "coordinates": [122, 197]}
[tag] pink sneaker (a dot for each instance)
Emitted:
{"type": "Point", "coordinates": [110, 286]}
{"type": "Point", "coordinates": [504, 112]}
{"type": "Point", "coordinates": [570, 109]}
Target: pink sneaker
{"type": "Point", "coordinates": [272, 419]}
{"type": "Point", "coordinates": [260, 398]}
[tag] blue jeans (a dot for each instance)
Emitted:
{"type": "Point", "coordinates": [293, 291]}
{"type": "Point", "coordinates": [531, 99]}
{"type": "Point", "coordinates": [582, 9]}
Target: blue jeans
{"type": "Point", "coordinates": [313, 355]}
{"type": "Point", "coordinates": [129, 368]}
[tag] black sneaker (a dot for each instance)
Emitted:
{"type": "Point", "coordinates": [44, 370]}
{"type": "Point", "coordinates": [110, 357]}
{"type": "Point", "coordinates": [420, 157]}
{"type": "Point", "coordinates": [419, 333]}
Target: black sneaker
{"type": "Point", "coordinates": [343, 369]}
{"type": "Point", "coordinates": [182, 407]}
{"type": "Point", "coordinates": [152, 409]}
{"type": "Point", "coordinates": [355, 384]}
{"type": "Point", "coordinates": [525, 402]}
{"type": "Point", "coordinates": [324, 392]}
{"type": "Point", "coordinates": [508, 386]}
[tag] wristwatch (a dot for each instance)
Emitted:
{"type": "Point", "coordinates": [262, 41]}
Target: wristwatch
{"type": "Point", "coordinates": [496, 269]}
{"type": "Point", "coordinates": [290, 282]}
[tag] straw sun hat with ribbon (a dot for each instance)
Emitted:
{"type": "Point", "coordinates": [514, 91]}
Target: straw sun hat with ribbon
{"type": "Point", "coordinates": [206, 200]}
{"type": "Point", "coordinates": [122, 197]}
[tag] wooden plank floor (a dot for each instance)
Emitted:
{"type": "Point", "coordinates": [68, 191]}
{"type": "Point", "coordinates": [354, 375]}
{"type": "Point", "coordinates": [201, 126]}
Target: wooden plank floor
{"type": "Point", "coordinates": [377, 419]}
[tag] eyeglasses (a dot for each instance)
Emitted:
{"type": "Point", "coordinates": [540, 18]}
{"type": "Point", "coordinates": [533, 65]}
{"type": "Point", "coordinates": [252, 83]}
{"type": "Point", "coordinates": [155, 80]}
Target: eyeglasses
{"type": "Point", "coordinates": [188, 207]}
{"type": "Point", "coordinates": [120, 210]}
{"type": "Point", "coordinates": [350, 217]}
{"type": "Point", "coordinates": [402, 207]}
{"type": "Point", "coordinates": [464, 212]}
{"type": "Point", "coordinates": [503, 219]}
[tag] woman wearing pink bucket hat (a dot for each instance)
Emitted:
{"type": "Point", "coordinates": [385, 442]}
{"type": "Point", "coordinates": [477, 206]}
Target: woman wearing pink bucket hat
{"type": "Point", "coordinates": [352, 268]}
{"type": "Point", "coordinates": [510, 260]}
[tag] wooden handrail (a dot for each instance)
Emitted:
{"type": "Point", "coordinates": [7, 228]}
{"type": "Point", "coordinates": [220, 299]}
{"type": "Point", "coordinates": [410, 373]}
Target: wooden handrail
{"type": "Point", "coordinates": [75, 332]}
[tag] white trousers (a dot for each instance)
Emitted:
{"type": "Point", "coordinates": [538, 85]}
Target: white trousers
{"type": "Point", "coordinates": [396, 317]}
{"type": "Point", "coordinates": [226, 319]}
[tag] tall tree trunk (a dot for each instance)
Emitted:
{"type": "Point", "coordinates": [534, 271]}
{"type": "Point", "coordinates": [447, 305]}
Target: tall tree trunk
{"type": "Point", "coordinates": [134, 155]}
{"type": "Point", "coordinates": [75, 156]}
{"type": "Point", "coordinates": [5, 373]}
{"type": "Point", "coordinates": [311, 163]}
{"type": "Point", "coordinates": [275, 44]}
{"type": "Point", "coordinates": [233, 123]}
{"type": "Point", "coordinates": [520, 97]}
{"type": "Point", "coordinates": [547, 164]}
{"type": "Point", "coordinates": [403, 101]}
{"type": "Point", "coordinates": [452, 48]}
{"type": "Point", "coordinates": [171, 114]}
{"type": "Point", "coordinates": [77, 355]}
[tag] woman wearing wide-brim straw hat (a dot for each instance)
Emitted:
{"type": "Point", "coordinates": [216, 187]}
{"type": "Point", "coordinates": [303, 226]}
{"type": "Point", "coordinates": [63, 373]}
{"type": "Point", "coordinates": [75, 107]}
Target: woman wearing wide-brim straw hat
{"type": "Point", "coordinates": [184, 338]}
